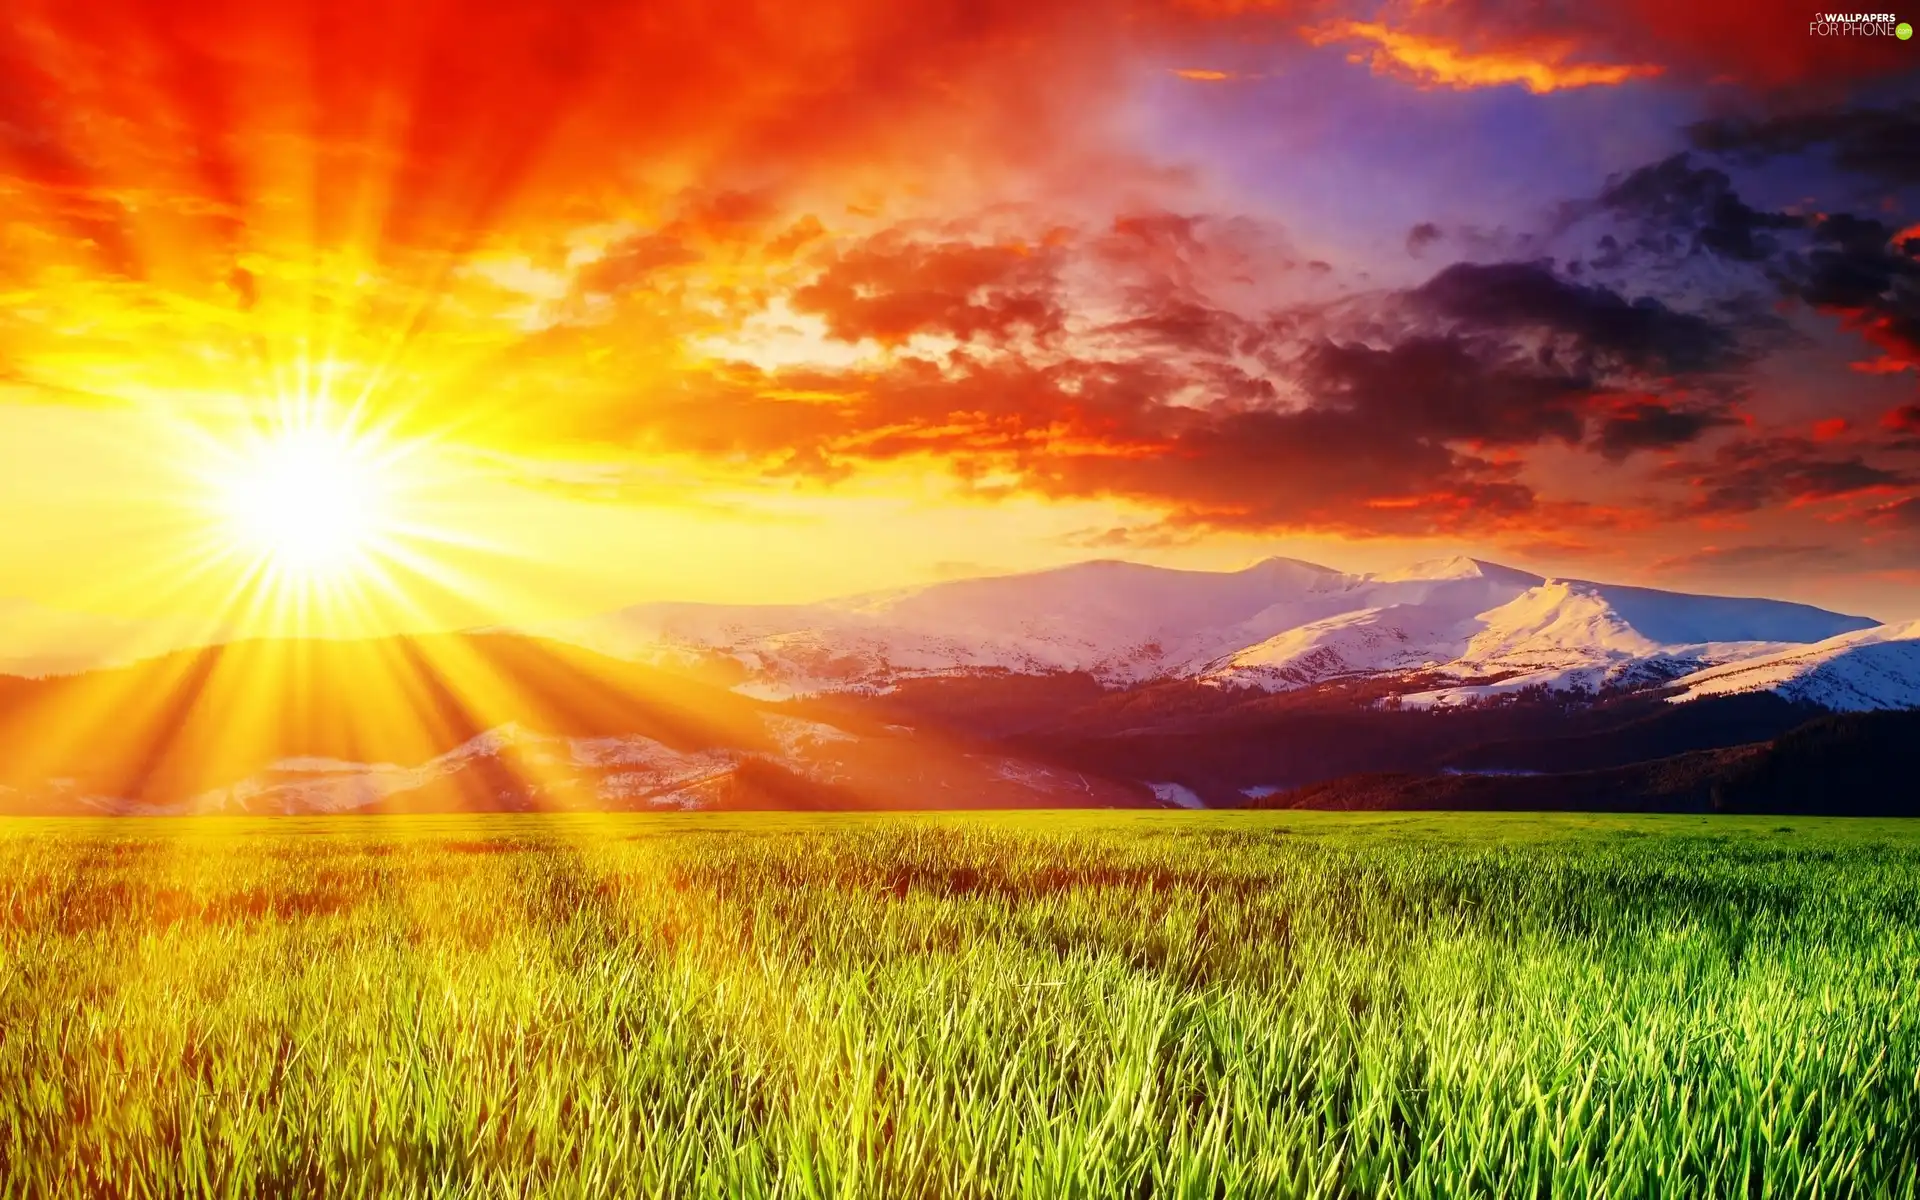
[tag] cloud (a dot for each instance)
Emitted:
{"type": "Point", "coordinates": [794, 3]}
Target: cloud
{"type": "Point", "coordinates": [1603, 331]}
{"type": "Point", "coordinates": [1203, 75]}
{"type": "Point", "coordinates": [1688, 209]}
{"type": "Point", "coordinates": [1442, 389]}
{"type": "Point", "coordinates": [1416, 433]}
{"type": "Point", "coordinates": [890, 288]}
{"type": "Point", "coordinates": [1881, 143]}
{"type": "Point", "coordinates": [1649, 425]}
{"type": "Point", "coordinates": [1406, 413]}
{"type": "Point", "coordinates": [1755, 473]}
{"type": "Point", "coordinates": [1081, 429]}
{"type": "Point", "coordinates": [1857, 268]}
{"type": "Point", "coordinates": [632, 262]}
{"type": "Point", "coordinates": [1901, 514]}
{"type": "Point", "coordinates": [1539, 65]}
{"type": "Point", "coordinates": [1756, 558]}
{"type": "Point", "coordinates": [1425, 234]}
{"type": "Point", "coordinates": [1173, 323]}
{"type": "Point", "coordinates": [1130, 537]}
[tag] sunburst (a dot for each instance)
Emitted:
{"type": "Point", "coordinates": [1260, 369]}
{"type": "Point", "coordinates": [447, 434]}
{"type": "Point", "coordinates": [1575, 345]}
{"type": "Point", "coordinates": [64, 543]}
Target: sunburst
{"type": "Point", "coordinates": [314, 503]}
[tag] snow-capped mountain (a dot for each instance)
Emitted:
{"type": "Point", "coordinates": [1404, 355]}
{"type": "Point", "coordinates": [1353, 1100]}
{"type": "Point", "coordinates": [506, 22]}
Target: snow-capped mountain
{"type": "Point", "coordinates": [1867, 670]}
{"type": "Point", "coordinates": [1122, 622]}
{"type": "Point", "coordinates": [1568, 634]}
{"type": "Point", "coordinates": [1281, 624]}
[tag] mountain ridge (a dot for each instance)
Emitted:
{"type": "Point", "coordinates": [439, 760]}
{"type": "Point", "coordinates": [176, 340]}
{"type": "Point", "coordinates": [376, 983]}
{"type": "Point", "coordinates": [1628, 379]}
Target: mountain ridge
{"type": "Point", "coordinates": [1104, 683]}
{"type": "Point", "coordinates": [1490, 630]}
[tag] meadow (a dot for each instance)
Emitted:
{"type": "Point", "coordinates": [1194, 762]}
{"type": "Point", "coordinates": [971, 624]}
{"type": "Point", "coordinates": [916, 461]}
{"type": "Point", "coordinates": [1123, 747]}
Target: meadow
{"type": "Point", "coordinates": [1058, 1005]}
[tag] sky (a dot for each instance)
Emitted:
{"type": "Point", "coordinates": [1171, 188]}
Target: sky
{"type": "Point", "coordinates": [344, 317]}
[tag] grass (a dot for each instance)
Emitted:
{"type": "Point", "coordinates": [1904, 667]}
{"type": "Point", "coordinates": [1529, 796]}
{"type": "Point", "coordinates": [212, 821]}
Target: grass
{"type": "Point", "coordinates": [1086, 1005]}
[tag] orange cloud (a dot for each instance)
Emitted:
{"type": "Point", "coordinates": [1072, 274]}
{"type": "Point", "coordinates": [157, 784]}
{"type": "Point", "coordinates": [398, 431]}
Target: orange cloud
{"type": "Point", "coordinates": [1541, 66]}
{"type": "Point", "coordinates": [1201, 75]}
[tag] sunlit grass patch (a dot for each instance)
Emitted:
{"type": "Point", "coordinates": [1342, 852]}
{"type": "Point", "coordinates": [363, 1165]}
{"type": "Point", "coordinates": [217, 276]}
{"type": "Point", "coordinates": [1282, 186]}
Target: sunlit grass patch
{"type": "Point", "coordinates": [1093, 1004]}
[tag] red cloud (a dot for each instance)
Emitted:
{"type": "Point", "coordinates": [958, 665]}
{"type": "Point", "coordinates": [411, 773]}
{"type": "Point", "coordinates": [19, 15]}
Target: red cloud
{"type": "Point", "coordinates": [890, 288]}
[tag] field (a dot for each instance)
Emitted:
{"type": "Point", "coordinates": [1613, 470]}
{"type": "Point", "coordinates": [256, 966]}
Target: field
{"type": "Point", "coordinates": [1088, 1005]}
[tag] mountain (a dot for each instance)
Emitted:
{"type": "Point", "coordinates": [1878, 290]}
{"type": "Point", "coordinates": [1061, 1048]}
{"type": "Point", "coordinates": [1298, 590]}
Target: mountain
{"type": "Point", "coordinates": [1865, 670]}
{"type": "Point", "coordinates": [464, 723]}
{"type": "Point", "coordinates": [1573, 634]}
{"type": "Point", "coordinates": [38, 640]}
{"type": "Point", "coordinates": [1452, 682]}
{"type": "Point", "coordinates": [1476, 629]}
{"type": "Point", "coordinates": [1120, 622]}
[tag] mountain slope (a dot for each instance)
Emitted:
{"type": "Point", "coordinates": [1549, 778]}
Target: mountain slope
{"type": "Point", "coordinates": [1855, 672]}
{"type": "Point", "coordinates": [1853, 764]}
{"type": "Point", "coordinates": [464, 723]}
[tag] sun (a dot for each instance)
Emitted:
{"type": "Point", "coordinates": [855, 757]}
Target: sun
{"type": "Point", "coordinates": [306, 521]}
{"type": "Point", "coordinates": [311, 502]}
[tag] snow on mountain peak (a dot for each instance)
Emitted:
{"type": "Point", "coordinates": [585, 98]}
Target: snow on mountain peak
{"type": "Point", "coordinates": [1556, 619]}
{"type": "Point", "coordinates": [1458, 566]}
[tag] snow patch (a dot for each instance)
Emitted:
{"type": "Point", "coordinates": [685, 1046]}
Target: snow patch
{"type": "Point", "coordinates": [1176, 795]}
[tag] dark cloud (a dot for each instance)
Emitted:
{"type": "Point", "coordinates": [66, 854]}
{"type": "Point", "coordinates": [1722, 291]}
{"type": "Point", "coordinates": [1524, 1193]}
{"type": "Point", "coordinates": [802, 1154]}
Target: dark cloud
{"type": "Point", "coordinates": [1852, 268]}
{"type": "Point", "coordinates": [1755, 473]}
{"type": "Point", "coordinates": [1858, 268]}
{"type": "Point", "coordinates": [1650, 425]}
{"type": "Point", "coordinates": [1425, 234]}
{"type": "Point", "coordinates": [1882, 143]}
{"type": "Point", "coordinates": [1448, 389]}
{"type": "Point", "coordinates": [1313, 468]}
{"type": "Point", "coordinates": [1603, 331]}
{"type": "Point", "coordinates": [1687, 209]}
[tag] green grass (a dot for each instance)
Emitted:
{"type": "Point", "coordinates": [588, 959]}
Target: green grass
{"type": "Point", "coordinates": [1091, 1005]}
